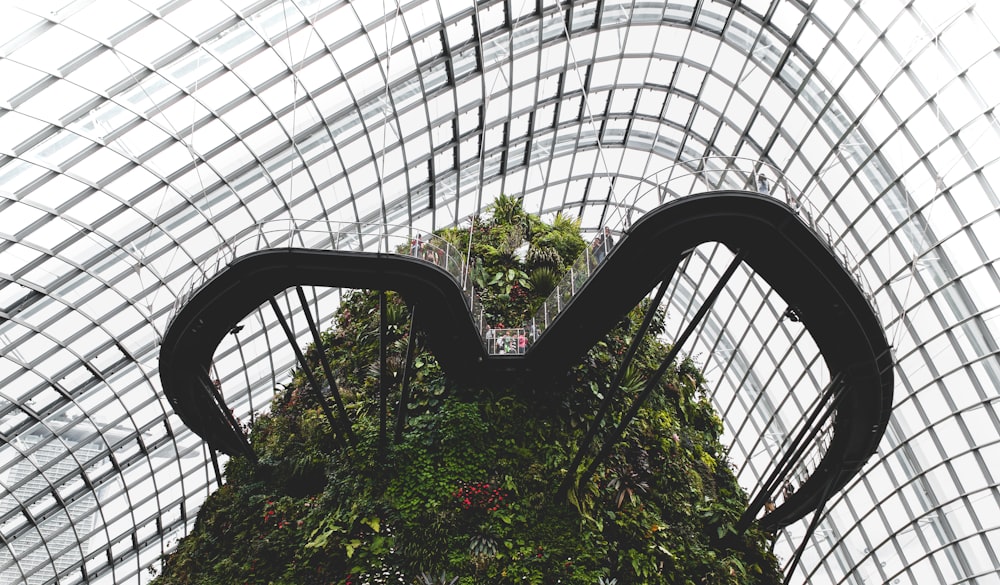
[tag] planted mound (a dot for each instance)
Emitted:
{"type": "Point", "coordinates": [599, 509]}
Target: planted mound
{"type": "Point", "coordinates": [467, 493]}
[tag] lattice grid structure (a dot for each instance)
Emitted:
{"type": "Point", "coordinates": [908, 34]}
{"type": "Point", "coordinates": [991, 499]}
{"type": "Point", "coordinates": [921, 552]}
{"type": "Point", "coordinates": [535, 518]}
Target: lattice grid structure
{"type": "Point", "coordinates": [136, 136]}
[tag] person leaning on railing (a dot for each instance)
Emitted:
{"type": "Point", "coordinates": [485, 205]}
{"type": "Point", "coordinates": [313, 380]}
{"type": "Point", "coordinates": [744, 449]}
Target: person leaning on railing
{"type": "Point", "coordinates": [602, 244]}
{"type": "Point", "coordinates": [432, 253]}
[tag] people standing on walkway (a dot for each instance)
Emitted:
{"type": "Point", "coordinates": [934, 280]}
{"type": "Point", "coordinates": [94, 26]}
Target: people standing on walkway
{"type": "Point", "coordinates": [603, 244]}
{"type": "Point", "coordinates": [762, 186]}
{"type": "Point", "coordinates": [787, 489]}
{"type": "Point", "coordinates": [432, 253]}
{"type": "Point", "coordinates": [491, 341]}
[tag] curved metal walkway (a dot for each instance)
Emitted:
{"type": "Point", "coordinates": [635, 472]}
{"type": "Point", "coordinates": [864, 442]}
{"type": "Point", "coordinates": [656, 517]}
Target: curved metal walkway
{"type": "Point", "coordinates": [766, 233]}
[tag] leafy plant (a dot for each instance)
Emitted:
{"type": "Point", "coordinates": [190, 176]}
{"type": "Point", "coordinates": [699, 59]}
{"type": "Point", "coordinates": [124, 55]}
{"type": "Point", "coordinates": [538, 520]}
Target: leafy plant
{"type": "Point", "coordinates": [508, 210]}
{"type": "Point", "coordinates": [544, 279]}
{"type": "Point", "coordinates": [540, 257]}
{"type": "Point", "coordinates": [563, 236]}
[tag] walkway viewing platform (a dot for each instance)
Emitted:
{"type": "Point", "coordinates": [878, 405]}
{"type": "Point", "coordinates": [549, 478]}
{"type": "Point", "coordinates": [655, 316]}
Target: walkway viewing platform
{"type": "Point", "coordinates": [781, 243]}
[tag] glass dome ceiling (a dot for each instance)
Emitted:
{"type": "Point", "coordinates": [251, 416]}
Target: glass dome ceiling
{"type": "Point", "coordinates": [137, 137]}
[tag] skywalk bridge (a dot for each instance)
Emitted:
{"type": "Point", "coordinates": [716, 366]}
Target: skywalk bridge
{"type": "Point", "coordinates": [766, 234]}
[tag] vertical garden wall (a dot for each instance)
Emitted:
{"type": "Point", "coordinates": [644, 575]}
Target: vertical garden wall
{"type": "Point", "coordinates": [467, 493]}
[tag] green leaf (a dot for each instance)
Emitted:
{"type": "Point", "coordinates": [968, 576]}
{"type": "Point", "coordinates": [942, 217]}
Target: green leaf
{"type": "Point", "coordinates": [321, 536]}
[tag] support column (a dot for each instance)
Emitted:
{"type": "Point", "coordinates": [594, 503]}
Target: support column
{"type": "Point", "coordinates": [383, 387]}
{"type": "Point", "coordinates": [824, 409]}
{"type": "Point", "coordinates": [809, 531]}
{"type": "Point", "coordinates": [246, 374]}
{"type": "Point", "coordinates": [404, 386]}
{"type": "Point", "coordinates": [202, 377]}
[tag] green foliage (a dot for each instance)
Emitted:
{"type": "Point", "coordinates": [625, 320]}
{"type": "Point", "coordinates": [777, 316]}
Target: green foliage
{"type": "Point", "coordinates": [539, 257]}
{"type": "Point", "coordinates": [509, 251]}
{"type": "Point", "coordinates": [563, 236]}
{"type": "Point", "coordinates": [467, 494]}
{"type": "Point", "coordinates": [544, 279]}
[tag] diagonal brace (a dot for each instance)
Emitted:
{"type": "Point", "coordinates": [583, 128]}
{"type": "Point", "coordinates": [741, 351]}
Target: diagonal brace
{"type": "Point", "coordinates": [325, 362]}
{"type": "Point", "coordinates": [824, 409]}
{"type": "Point", "coordinates": [619, 431]}
{"type": "Point", "coordinates": [612, 391]}
{"type": "Point", "coordinates": [313, 384]}
{"type": "Point", "coordinates": [809, 532]}
{"type": "Point", "coordinates": [206, 382]}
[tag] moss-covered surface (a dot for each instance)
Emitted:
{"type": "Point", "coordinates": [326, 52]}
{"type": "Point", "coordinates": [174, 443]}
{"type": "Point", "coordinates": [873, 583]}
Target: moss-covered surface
{"type": "Point", "coordinates": [467, 495]}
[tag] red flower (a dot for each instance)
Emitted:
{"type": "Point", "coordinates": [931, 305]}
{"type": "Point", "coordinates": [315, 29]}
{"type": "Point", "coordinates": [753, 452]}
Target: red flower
{"type": "Point", "coordinates": [480, 495]}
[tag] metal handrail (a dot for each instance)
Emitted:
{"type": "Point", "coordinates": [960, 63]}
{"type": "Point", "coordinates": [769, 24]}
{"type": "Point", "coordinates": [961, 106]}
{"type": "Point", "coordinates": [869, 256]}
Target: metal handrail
{"type": "Point", "coordinates": [330, 235]}
{"type": "Point", "coordinates": [680, 180]}
{"type": "Point", "coordinates": [677, 180]}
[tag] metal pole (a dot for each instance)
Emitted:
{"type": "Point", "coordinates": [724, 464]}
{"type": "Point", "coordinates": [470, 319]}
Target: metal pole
{"type": "Point", "coordinates": [215, 466]}
{"type": "Point", "coordinates": [612, 390]}
{"type": "Point", "coordinates": [206, 381]}
{"type": "Point", "coordinates": [655, 378]}
{"type": "Point", "coordinates": [809, 531]}
{"type": "Point", "coordinates": [313, 384]}
{"type": "Point", "coordinates": [325, 362]}
{"type": "Point", "coordinates": [383, 387]}
{"type": "Point", "coordinates": [809, 430]}
{"type": "Point", "coordinates": [404, 387]}
{"type": "Point", "coordinates": [246, 373]}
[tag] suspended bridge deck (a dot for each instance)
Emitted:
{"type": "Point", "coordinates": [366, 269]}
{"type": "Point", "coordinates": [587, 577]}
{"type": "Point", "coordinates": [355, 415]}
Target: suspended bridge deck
{"type": "Point", "coordinates": [772, 239]}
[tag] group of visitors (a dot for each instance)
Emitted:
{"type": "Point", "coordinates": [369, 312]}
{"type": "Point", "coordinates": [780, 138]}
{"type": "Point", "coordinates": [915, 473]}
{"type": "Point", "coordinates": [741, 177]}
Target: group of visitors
{"type": "Point", "coordinates": [501, 341]}
{"type": "Point", "coordinates": [426, 250]}
{"type": "Point", "coordinates": [787, 489]}
{"type": "Point", "coordinates": [602, 244]}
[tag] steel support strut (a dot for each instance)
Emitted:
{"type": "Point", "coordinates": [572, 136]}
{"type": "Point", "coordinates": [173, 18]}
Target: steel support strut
{"type": "Point", "coordinates": [616, 435]}
{"type": "Point", "coordinates": [404, 386]}
{"type": "Point", "coordinates": [313, 384]}
{"type": "Point", "coordinates": [809, 531]}
{"type": "Point", "coordinates": [215, 466]}
{"type": "Point", "coordinates": [611, 391]}
{"type": "Point", "coordinates": [325, 362]}
{"type": "Point", "coordinates": [825, 407]}
{"type": "Point", "coordinates": [246, 373]}
{"type": "Point", "coordinates": [206, 381]}
{"type": "Point", "coordinates": [383, 386]}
